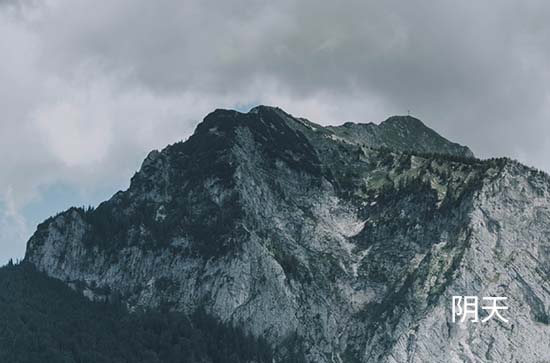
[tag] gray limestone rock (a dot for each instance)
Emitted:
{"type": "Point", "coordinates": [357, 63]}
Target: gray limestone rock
{"type": "Point", "coordinates": [349, 241]}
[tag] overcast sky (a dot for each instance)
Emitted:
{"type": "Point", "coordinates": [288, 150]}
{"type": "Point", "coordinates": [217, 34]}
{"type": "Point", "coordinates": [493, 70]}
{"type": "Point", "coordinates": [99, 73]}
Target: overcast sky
{"type": "Point", "coordinates": [87, 88]}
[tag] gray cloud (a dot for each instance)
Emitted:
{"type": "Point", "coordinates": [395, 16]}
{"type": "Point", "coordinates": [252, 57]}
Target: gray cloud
{"type": "Point", "coordinates": [86, 90]}
{"type": "Point", "coordinates": [462, 66]}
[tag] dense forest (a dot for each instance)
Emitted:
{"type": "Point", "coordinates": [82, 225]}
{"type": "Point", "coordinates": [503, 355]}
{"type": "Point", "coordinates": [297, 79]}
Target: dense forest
{"type": "Point", "coordinates": [43, 320]}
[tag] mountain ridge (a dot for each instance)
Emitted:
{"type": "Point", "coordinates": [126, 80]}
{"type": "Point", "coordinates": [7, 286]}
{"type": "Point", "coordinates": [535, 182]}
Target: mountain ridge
{"type": "Point", "coordinates": [402, 133]}
{"type": "Point", "coordinates": [290, 229]}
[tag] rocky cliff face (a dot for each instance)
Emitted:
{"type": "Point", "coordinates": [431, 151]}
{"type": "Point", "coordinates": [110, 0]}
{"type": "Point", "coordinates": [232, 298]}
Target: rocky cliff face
{"type": "Point", "coordinates": [346, 243]}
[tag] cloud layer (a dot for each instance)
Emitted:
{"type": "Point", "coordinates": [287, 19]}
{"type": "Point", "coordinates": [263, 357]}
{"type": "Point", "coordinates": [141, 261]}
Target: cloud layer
{"type": "Point", "coordinates": [86, 89]}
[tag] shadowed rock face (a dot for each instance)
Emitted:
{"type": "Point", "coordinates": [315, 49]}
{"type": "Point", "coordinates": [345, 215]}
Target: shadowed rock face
{"type": "Point", "coordinates": [349, 240]}
{"type": "Point", "coordinates": [401, 133]}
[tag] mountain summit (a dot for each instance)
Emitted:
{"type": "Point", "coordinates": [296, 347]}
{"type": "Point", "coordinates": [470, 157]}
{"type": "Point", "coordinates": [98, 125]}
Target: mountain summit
{"type": "Point", "coordinates": [401, 133]}
{"type": "Point", "coordinates": [337, 244]}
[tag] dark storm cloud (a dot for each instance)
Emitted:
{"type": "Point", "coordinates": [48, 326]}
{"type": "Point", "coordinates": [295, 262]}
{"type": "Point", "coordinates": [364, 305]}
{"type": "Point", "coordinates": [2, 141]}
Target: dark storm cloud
{"type": "Point", "coordinates": [88, 88]}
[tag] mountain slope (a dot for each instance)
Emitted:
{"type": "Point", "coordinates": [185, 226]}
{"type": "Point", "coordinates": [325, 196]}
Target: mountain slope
{"type": "Point", "coordinates": [43, 321]}
{"type": "Point", "coordinates": [301, 233]}
{"type": "Point", "coordinates": [401, 133]}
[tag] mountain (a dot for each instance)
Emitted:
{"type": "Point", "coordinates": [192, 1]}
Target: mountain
{"type": "Point", "coordinates": [343, 243]}
{"type": "Point", "coordinates": [400, 133]}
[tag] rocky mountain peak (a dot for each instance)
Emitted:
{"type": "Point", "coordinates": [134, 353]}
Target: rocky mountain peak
{"type": "Point", "coordinates": [405, 121]}
{"type": "Point", "coordinates": [344, 243]}
{"type": "Point", "coordinates": [402, 133]}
